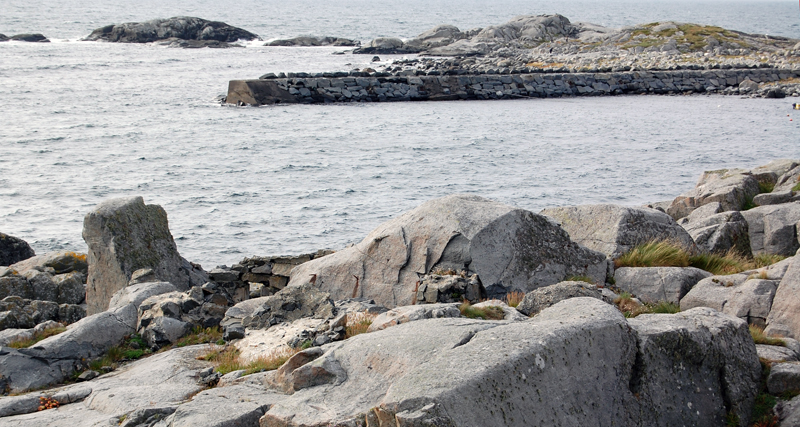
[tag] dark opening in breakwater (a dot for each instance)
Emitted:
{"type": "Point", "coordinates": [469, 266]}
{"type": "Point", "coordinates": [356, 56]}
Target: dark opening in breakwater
{"type": "Point", "coordinates": [363, 87]}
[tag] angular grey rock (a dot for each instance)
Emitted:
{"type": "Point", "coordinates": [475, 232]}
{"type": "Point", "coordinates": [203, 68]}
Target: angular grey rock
{"type": "Point", "coordinates": [441, 35]}
{"type": "Point", "coordinates": [773, 229]}
{"type": "Point", "coordinates": [180, 27]}
{"type": "Point", "coordinates": [510, 249]}
{"type": "Point", "coordinates": [541, 28]}
{"type": "Point", "coordinates": [702, 350]}
{"type": "Point", "coordinates": [788, 179]}
{"type": "Point", "coordinates": [13, 249]}
{"type": "Point", "coordinates": [784, 377]}
{"type": "Point", "coordinates": [137, 293]}
{"type": "Point", "coordinates": [749, 300]}
{"type": "Point", "coordinates": [386, 45]}
{"type": "Point", "coordinates": [654, 284]}
{"type": "Point", "coordinates": [784, 319]}
{"type": "Point", "coordinates": [164, 330]}
{"type": "Point", "coordinates": [788, 412]}
{"type": "Point", "coordinates": [731, 188]}
{"type": "Point", "coordinates": [774, 198]}
{"type": "Point", "coordinates": [614, 230]}
{"type": "Point", "coordinates": [16, 286]}
{"type": "Point", "coordinates": [70, 288]}
{"type": "Point", "coordinates": [539, 299]}
{"type": "Point", "coordinates": [516, 372]}
{"type": "Point", "coordinates": [165, 318]}
{"type": "Point", "coordinates": [412, 313]}
{"type": "Point", "coordinates": [718, 233]}
{"type": "Point", "coordinates": [435, 288]}
{"type": "Point", "coordinates": [776, 353]}
{"type": "Point", "coordinates": [125, 235]}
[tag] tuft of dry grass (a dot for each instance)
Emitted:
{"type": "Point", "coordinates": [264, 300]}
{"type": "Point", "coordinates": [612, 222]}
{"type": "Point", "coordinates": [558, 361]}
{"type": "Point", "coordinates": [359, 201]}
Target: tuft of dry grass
{"type": "Point", "coordinates": [514, 298]}
{"type": "Point", "coordinates": [200, 335]}
{"type": "Point", "coordinates": [485, 313]}
{"type": "Point", "coordinates": [449, 272]}
{"type": "Point", "coordinates": [358, 323]}
{"type": "Point", "coordinates": [630, 308]}
{"type": "Point", "coordinates": [670, 254]}
{"type": "Point", "coordinates": [579, 278]}
{"type": "Point", "coordinates": [38, 336]}
{"type": "Point", "coordinates": [228, 359]}
{"type": "Point", "coordinates": [759, 337]}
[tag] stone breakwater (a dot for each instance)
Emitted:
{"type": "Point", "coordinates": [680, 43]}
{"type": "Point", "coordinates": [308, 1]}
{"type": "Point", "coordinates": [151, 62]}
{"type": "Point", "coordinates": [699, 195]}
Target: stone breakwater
{"type": "Point", "coordinates": [377, 87]}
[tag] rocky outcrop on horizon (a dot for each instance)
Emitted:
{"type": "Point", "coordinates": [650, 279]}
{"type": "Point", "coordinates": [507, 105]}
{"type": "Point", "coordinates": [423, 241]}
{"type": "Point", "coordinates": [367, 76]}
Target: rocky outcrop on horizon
{"type": "Point", "coordinates": [199, 32]}
{"type": "Point", "coordinates": [423, 355]}
{"type": "Point", "coordinates": [307, 41]}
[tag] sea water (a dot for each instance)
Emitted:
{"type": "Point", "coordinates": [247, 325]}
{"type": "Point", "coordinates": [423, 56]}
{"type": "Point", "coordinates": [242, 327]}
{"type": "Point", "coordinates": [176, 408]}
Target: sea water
{"type": "Point", "coordinates": [83, 122]}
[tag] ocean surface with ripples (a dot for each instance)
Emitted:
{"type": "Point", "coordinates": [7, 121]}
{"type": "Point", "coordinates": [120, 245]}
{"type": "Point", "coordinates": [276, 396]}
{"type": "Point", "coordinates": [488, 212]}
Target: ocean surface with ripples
{"type": "Point", "coordinates": [82, 122]}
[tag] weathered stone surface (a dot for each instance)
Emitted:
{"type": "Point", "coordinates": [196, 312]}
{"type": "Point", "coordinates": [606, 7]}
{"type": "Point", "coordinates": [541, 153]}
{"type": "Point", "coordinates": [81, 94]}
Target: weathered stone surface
{"type": "Point", "coordinates": [411, 313]}
{"type": "Point", "coordinates": [164, 318]}
{"type": "Point", "coordinates": [731, 188]}
{"type": "Point", "coordinates": [719, 232]}
{"type": "Point", "coordinates": [16, 286]}
{"type": "Point", "coordinates": [784, 377]}
{"type": "Point", "coordinates": [750, 300]}
{"type": "Point", "coordinates": [441, 35]}
{"type": "Point", "coordinates": [16, 312]}
{"type": "Point", "coordinates": [776, 353]}
{"type": "Point", "coordinates": [787, 180]}
{"type": "Point", "coordinates": [435, 288]}
{"type": "Point", "coordinates": [125, 235]}
{"type": "Point", "coordinates": [788, 412]}
{"type": "Point", "coordinates": [653, 284]}
{"type": "Point", "coordinates": [702, 350]}
{"type": "Point", "coordinates": [510, 249]}
{"type": "Point", "coordinates": [774, 198]}
{"type": "Point", "coordinates": [614, 230]}
{"type": "Point", "coordinates": [243, 405]}
{"type": "Point", "coordinates": [60, 263]}
{"type": "Point", "coordinates": [314, 41]}
{"type": "Point", "coordinates": [180, 27]}
{"type": "Point", "coordinates": [773, 229]}
{"type": "Point", "coordinates": [516, 372]}
{"type": "Point", "coordinates": [539, 299]}
{"type": "Point", "coordinates": [784, 317]}
{"type": "Point", "coordinates": [13, 249]}
{"type": "Point", "coordinates": [70, 288]}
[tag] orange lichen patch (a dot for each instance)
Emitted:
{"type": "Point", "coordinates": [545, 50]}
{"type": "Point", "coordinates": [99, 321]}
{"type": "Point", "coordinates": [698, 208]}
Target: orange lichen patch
{"type": "Point", "coordinates": [76, 255]}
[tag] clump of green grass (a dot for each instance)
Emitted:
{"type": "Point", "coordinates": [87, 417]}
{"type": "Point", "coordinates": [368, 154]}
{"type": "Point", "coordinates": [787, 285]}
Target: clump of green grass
{"type": "Point", "coordinates": [766, 187]}
{"type": "Point", "coordinates": [358, 323]}
{"type": "Point", "coordinates": [514, 298]}
{"type": "Point", "coordinates": [763, 415]}
{"type": "Point", "coordinates": [579, 278]}
{"type": "Point", "coordinates": [759, 337]}
{"type": "Point", "coordinates": [630, 308]}
{"type": "Point", "coordinates": [200, 335]}
{"type": "Point", "coordinates": [669, 254]}
{"type": "Point", "coordinates": [654, 254]}
{"type": "Point", "coordinates": [749, 204]}
{"type": "Point", "coordinates": [485, 313]}
{"type": "Point", "coordinates": [38, 336]}
{"type": "Point", "coordinates": [796, 187]}
{"type": "Point", "coordinates": [764, 259]}
{"type": "Point", "coordinates": [228, 359]}
{"type": "Point", "coordinates": [721, 264]}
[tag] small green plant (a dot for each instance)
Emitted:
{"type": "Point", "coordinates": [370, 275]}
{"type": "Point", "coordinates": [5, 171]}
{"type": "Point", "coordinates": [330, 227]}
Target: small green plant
{"type": "Point", "coordinates": [514, 298]}
{"type": "Point", "coordinates": [579, 278]}
{"type": "Point", "coordinates": [38, 336]}
{"type": "Point", "coordinates": [306, 344]}
{"type": "Point", "coordinates": [748, 204]}
{"type": "Point", "coordinates": [766, 187]}
{"type": "Point", "coordinates": [731, 419]}
{"type": "Point", "coordinates": [358, 323]}
{"type": "Point", "coordinates": [664, 307]}
{"type": "Point", "coordinates": [759, 337]}
{"type": "Point", "coordinates": [630, 308]}
{"type": "Point", "coordinates": [654, 254]}
{"type": "Point", "coordinates": [485, 313]}
{"type": "Point", "coordinates": [796, 187]}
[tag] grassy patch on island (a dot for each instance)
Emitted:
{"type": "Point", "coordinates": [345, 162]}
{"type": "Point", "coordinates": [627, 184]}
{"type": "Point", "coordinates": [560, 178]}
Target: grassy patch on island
{"type": "Point", "coordinates": [38, 336]}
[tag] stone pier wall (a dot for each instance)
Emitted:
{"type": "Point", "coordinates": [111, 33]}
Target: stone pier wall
{"type": "Point", "coordinates": [362, 87]}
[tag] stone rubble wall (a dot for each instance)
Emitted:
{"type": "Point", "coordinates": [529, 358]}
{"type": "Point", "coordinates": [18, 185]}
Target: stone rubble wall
{"type": "Point", "coordinates": [363, 87]}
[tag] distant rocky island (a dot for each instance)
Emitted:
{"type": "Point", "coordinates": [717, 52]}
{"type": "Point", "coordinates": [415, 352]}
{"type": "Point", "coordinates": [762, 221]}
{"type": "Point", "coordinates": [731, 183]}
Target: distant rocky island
{"type": "Point", "coordinates": [546, 56]}
{"type": "Point", "coordinates": [460, 312]}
